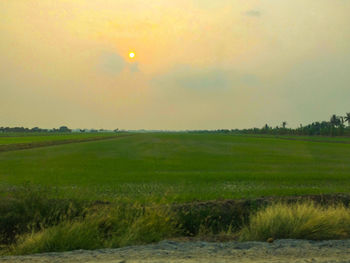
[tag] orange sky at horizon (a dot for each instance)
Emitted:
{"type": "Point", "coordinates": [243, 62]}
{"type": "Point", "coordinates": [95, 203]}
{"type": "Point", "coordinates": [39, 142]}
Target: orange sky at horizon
{"type": "Point", "coordinates": [197, 65]}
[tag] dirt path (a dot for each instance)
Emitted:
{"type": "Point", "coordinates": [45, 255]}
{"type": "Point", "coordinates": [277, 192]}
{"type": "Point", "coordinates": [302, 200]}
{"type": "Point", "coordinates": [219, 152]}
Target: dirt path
{"type": "Point", "coordinates": [169, 251]}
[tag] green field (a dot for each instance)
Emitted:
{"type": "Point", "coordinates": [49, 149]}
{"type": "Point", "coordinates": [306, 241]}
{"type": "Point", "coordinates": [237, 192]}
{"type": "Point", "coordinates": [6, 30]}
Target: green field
{"type": "Point", "coordinates": [13, 138]}
{"type": "Point", "coordinates": [181, 166]}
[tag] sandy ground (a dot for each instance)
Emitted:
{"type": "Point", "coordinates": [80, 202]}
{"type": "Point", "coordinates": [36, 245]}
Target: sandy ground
{"type": "Point", "coordinates": [170, 251]}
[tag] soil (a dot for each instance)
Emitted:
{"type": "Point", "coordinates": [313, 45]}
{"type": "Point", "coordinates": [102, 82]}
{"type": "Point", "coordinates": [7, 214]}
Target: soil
{"type": "Point", "coordinates": [171, 251]}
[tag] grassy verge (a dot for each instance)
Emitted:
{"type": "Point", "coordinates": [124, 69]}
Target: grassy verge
{"type": "Point", "coordinates": [298, 221]}
{"type": "Point", "coordinates": [31, 221]}
{"type": "Point", "coordinates": [118, 226]}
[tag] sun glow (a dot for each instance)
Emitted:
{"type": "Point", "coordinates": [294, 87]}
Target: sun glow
{"type": "Point", "coordinates": [131, 55]}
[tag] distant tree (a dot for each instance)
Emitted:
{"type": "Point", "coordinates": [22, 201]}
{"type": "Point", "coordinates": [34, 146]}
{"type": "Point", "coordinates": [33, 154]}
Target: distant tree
{"type": "Point", "coordinates": [347, 118]}
{"type": "Point", "coordinates": [64, 129]}
{"type": "Point", "coordinates": [341, 125]}
{"type": "Point", "coordinates": [35, 129]}
{"type": "Point", "coordinates": [284, 124]}
{"type": "Point", "coordinates": [335, 121]}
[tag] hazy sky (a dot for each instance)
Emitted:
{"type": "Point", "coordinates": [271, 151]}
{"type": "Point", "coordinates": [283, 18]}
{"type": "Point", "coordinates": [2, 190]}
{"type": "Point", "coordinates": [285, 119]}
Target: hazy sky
{"type": "Point", "coordinates": [199, 64]}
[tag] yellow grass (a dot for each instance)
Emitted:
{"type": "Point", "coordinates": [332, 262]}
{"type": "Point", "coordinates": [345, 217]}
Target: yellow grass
{"type": "Point", "coordinates": [298, 221]}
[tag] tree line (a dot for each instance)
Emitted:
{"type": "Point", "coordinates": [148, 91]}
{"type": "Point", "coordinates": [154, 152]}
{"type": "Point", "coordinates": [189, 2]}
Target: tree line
{"type": "Point", "coordinates": [62, 129]}
{"type": "Point", "coordinates": [335, 126]}
{"type": "Point", "coordinates": [35, 129]}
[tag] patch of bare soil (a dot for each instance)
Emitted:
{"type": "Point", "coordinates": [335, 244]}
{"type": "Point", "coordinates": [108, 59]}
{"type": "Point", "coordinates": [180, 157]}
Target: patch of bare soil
{"type": "Point", "coordinates": [170, 251]}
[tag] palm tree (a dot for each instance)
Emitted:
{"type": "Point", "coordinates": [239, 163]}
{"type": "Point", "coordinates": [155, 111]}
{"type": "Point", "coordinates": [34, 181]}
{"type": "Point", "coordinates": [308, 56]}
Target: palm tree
{"type": "Point", "coordinates": [347, 118]}
{"type": "Point", "coordinates": [334, 122]}
{"type": "Point", "coordinates": [341, 120]}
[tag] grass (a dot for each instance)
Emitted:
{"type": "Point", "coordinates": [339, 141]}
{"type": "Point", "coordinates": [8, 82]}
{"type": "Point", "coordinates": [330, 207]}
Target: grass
{"type": "Point", "coordinates": [186, 167]}
{"type": "Point", "coordinates": [31, 222]}
{"type": "Point", "coordinates": [298, 221]}
{"type": "Point", "coordinates": [31, 209]}
{"type": "Point", "coordinates": [134, 189]}
{"type": "Point", "coordinates": [15, 138]}
{"type": "Point", "coordinates": [69, 225]}
{"type": "Point", "coordinates": [12, 143]}
{"type": "Point", "coordinates": [316, 138]}
{"type": "Point", "coordinates": [118, 226]}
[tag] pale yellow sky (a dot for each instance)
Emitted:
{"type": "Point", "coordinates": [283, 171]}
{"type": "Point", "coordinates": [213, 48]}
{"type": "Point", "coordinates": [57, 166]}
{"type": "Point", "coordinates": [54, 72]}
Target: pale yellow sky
{"type": "Point", "coordinates": [199, 64]}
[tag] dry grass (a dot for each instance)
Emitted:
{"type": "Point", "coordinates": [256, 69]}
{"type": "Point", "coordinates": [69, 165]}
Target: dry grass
{"type": "Point", "coordinates": [106, 228]}
{"type": "Point", "coordinates": [298, 221]}
{"type": "Point", "coordinates": [33, 222]}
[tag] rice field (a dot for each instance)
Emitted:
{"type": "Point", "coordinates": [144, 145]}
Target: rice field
{"type": "Point", "coordinates": [179, 167]}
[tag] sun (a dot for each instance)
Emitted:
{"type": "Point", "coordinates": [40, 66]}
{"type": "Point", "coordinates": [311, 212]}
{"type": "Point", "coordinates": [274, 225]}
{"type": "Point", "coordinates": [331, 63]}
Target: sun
{"type": "Point", "coordinates": [131, 55]}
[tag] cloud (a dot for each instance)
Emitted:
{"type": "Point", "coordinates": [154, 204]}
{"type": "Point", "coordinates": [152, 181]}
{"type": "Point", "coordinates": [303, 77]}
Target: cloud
{"type": "Point", "coordinates": [253, 13]}
{"type": "Point", "coordinates": [111, 63]}
{"type": "Point", "coordinates": [318, 87]}
{"type": "Point", "coordinates": [134, 67]}
{"type": "Point", "coordinates": [190, 78]}
{"type": "Point", "coordinates": [210, 4]}
{"type": "Point", "coordinates": [209, 79]}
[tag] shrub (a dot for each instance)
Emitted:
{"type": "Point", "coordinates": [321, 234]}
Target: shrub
{"type": "Point", "coordinates": [63, 237]}
{"type": "Point", "coordinates": [115, 226]}
{"type": "Point", "coordinates": [298, 221]}
{"type": "Point", "coordinates": [31, 209]}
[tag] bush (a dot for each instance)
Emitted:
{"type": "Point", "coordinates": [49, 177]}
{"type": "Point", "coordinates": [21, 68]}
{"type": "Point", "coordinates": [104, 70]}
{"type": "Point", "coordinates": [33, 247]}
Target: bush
{"type": "Point", "coordinates": [106, 228]}
{"type": "Point", "coordinates": [298, 221]}
{"type": "Point", "coordinates": [32, 222]}
{"type": "Point", "coordinates": [63, 237]}
{"type": "Point", "coordinates": [31, 209]}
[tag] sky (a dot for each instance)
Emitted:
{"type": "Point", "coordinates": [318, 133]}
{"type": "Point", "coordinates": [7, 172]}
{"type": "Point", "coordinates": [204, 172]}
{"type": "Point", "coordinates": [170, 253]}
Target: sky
{"type": "Point", "coordinates": [199, 64]}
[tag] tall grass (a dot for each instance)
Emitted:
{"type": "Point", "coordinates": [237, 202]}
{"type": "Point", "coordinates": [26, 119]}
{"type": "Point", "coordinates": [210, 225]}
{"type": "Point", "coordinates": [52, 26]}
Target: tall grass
{"type": "Point", "coordinates": [32, 208]}
{"type": "Point", "coordinates": [118, 226]}
{"type": "Point", "coordinates": [298, 221]}
{"type": "Point", "coordinates": [33, 221]}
